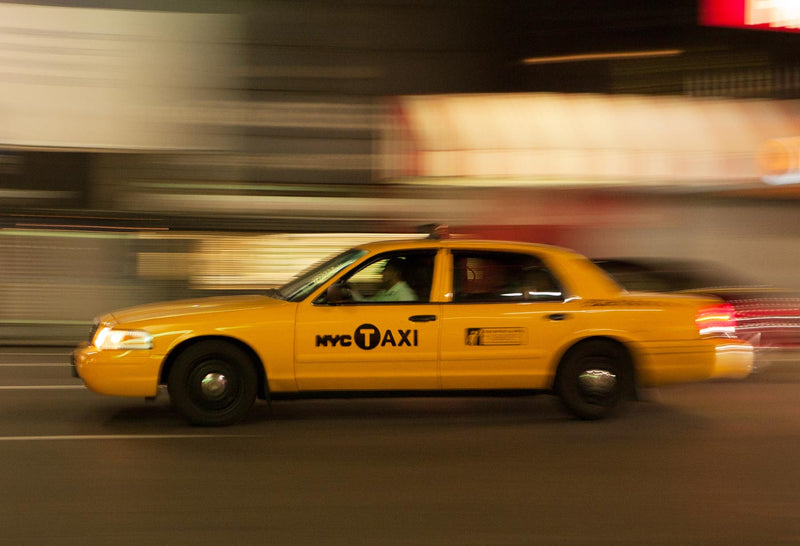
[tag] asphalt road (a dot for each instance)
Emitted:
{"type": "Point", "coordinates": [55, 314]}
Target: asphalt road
{"type": "Point", "coordinates": [711, 463]}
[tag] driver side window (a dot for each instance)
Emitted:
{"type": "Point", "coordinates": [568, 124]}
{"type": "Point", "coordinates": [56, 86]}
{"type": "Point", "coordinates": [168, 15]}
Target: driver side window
{"type": "Point", "coordinates": [396, 277]}
{"type": "Point", "coordinates": [368, 280]}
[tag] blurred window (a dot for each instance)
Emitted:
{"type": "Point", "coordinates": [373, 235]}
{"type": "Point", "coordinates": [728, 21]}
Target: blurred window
{"type": "Point", "coordinates": [416, 271]}
{"type": "Point", "coordinates": [640, 280]}
{"type": "Point", "coordinates": [495, 277]}
{"type": "Point", "coordinates": [657, 275]}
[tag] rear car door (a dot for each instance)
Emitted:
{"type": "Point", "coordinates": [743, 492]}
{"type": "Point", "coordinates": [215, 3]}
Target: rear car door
{"type": "Point", "coordinates": [505, 320]}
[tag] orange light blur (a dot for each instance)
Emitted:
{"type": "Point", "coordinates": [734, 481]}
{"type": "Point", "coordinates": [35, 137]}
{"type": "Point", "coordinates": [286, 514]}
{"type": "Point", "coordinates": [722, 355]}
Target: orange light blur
{"type": "Point", "coordinates": [611, 56]}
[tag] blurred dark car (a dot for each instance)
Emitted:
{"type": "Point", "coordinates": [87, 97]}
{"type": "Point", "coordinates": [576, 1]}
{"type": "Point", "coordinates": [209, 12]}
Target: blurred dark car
{"type": "Point", "coordinates": [765, 316]}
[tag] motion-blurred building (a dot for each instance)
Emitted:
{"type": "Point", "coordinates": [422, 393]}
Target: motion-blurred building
{"type": "Point", "coordinates": [152, 149]}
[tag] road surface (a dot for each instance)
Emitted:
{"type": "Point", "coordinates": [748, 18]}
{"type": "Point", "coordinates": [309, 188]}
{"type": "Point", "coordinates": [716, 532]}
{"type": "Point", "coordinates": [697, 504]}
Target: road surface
{"type": "Point", "coordinates": [709, 463]}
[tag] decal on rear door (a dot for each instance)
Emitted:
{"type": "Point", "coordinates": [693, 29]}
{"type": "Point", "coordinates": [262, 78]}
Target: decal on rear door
{"type": "Point", "coordinates": [496, 336]}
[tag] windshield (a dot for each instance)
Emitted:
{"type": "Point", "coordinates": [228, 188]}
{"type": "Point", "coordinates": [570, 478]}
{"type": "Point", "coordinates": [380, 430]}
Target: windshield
{"type": "Point", "coordinates": [305, 283]}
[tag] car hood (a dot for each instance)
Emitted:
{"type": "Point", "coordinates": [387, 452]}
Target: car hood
{"type": "Point", "coordinates": [186, 308]}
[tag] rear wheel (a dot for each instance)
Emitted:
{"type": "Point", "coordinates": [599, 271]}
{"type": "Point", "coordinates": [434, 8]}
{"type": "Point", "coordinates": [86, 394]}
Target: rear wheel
{"type": "Point", "coordinates": [594, 379]}
{"type": "Point", "coordinates": [213, 383]}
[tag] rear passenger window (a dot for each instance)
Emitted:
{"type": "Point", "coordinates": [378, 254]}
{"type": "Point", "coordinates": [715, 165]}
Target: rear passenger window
{"type": "Point", "coordinates": [495, 277]}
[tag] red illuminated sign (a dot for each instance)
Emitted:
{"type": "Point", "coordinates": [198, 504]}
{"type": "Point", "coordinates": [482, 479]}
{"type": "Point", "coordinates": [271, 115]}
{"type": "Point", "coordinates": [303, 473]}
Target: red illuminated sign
{"type": "Point", "coordinates": [780, 15]}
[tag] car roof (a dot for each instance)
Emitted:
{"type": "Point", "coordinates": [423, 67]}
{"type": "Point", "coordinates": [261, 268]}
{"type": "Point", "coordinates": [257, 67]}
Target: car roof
{"type": "Point", "coordinates": [479, 244]}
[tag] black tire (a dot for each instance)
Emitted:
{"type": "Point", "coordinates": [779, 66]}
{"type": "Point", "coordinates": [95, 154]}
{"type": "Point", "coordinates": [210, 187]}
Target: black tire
{"type": "Point", "coordinates": [213, 383]}
{"type": "Point", "coordinates": [595, 379]}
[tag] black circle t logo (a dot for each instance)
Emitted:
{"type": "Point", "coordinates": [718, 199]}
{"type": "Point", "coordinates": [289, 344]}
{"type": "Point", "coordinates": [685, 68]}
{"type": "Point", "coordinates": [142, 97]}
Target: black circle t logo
{"type": "Point", "coordinates": [367, 336]}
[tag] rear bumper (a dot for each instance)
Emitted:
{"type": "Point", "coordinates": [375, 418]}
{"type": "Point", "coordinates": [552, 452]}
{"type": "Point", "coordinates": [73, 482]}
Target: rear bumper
{"type": "Point", "coordinates": [733, 360]}
{"type": "Point", "coordinates": [664, 363]}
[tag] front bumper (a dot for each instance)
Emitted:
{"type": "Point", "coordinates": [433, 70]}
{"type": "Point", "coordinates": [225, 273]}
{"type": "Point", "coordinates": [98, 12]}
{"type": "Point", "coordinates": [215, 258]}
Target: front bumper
{"type": "Point", "coordinates": [117, 373]}
{"type": "Point", "coordinates": [73, 360]}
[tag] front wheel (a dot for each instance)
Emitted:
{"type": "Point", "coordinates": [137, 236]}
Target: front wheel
{"type": "Point", "coordinates": [213, 383]}
{"type": "Point", "coordinates": [594, 379]}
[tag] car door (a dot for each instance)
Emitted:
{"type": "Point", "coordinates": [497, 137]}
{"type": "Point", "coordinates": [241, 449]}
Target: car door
{"type": "Point", "coordinates": [504, 322]}
{"type": "Point", "coordinates": [366, 343]}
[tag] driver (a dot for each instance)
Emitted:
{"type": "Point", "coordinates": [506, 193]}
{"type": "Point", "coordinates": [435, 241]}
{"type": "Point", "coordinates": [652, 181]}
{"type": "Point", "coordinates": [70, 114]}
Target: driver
{"type": "Point", "coordinates": [393, 285]}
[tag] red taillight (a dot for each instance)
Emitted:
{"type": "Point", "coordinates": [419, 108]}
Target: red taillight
{"type": "Point", "coordinates": [716, 320]}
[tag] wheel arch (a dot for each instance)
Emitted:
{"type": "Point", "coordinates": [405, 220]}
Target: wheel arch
{"type": "Point", "coordinates": [258, 364]}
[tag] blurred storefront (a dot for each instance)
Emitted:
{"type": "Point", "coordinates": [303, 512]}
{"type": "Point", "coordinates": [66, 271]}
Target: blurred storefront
{"type": "Point", "coordinates": [151, 152]}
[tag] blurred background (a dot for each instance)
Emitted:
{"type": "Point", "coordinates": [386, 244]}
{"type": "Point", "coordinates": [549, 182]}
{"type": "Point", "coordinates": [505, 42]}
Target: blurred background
{"type": "Point", "coordinates": [161, 150]}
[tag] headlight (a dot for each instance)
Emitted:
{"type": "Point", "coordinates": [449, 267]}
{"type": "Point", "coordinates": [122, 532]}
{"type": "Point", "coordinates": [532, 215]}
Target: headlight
{"type": "Point", "coordinates": [107, 338]}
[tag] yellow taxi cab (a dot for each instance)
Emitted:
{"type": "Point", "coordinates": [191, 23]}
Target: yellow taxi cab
{"type": "Point", "coordinates": [406, 317]}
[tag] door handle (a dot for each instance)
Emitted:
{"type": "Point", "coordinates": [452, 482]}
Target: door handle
{"type": "Point", "coordinates": [422, 318]}
{"type": "Point", "coordinates": [557, 316]}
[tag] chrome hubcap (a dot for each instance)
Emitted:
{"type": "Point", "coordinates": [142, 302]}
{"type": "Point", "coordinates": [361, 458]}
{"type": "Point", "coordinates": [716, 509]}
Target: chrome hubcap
{"type": "Point", "coordinates": [214, 385]}
{"type": "Point", "coordinates": [597, 382]}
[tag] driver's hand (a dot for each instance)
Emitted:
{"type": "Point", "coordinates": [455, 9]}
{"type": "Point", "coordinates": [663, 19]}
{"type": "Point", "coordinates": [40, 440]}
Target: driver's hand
{"type": "Point", "coordinates": [339, 292]}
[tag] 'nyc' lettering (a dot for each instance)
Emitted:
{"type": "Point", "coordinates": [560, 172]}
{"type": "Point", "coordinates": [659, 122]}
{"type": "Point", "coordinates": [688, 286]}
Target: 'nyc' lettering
{"type": "Point", "coordinates": [333, 341]}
